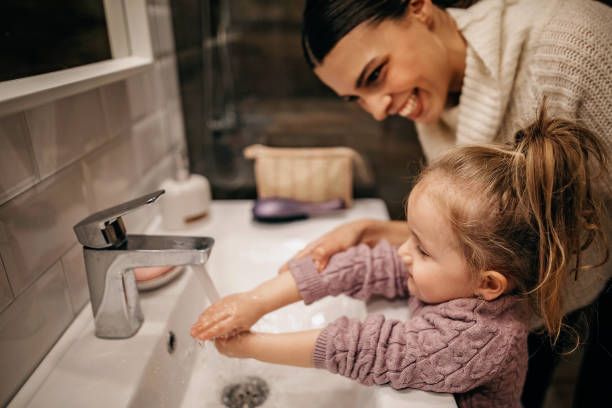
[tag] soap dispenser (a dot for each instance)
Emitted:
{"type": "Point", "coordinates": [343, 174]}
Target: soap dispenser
{"type": "Point", "coordinates": [187, 197]}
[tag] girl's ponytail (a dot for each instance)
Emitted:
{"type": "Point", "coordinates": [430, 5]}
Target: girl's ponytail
{"type": "Point", "coordinates": [554, 168]}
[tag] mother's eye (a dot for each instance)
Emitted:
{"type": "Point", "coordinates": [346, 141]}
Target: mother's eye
{"type": "Point", "coordinates": [374, 75]}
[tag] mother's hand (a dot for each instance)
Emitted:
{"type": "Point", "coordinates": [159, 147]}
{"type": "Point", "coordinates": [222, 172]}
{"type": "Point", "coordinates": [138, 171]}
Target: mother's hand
{"type": "Point", "coordinates": [339, 239]}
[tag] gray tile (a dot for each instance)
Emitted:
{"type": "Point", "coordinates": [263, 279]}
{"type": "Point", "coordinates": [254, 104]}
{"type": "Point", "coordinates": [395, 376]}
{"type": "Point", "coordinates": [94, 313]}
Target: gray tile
{"type": "Point", "coordinates": [74, 269]}
{"type": "Point", "coordinates": [36, 227]}
{"type": "Point", "coordinates": [17, 169]}
{"type": "Point", "coordinates": [169, 77]}
{"type": "Point", "coordinates": [161, 20]}
{"type": "Point", "coordinates": [149, 143]}
{"type": "Point", "coordinates": [142, 95]}
{"type": "Point", "coordinates": [176, 129]}
{"type": "Point", "coordinates": [116, 107]}
{"type": "Point", "coordinates": [110, 173]}
{"type": "Point", "coordinates": [29, 327]}
{"type": "Point", "coordinates": [66, 129]}
{"type": "Point", "coordinates": [6, 295]}
{"type": "Point", "coordinates": [137, 221]}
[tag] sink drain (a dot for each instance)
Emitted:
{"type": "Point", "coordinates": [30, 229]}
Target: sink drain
{"type": "Point", "coordinates": [249, 393]}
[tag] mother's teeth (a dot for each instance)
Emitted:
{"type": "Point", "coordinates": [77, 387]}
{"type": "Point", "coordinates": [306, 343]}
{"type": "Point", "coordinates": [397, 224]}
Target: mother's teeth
{"type": "Point", "coordinates": [410, 105]}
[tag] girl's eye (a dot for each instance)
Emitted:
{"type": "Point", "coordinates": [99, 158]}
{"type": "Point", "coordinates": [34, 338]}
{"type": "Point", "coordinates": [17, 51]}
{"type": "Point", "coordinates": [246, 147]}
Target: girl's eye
{"type": "Point", "coordinates": [373, 77]}
{"type": "Point", "coordinates": [350, 98]}
{"type": "Point", "coordinates": [421, 251]}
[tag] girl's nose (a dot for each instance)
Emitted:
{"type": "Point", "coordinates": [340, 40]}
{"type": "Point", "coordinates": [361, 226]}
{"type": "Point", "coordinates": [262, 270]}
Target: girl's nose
{"type": "Point", "coordinates": [404, 252]}
{"type": "Point", "coordinates": [377, 105]}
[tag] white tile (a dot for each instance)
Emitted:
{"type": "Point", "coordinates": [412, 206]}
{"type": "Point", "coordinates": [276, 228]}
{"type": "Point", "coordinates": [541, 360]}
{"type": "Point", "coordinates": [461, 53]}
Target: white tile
{"type": "Point", "coordinates": [151, 17]}
{"type": "Point", "coordinates": [116, 107]}
{"type": "Point", "coordinates": [161, 18]}
{"type": "Point", "coordinates": [176, 128]}
{"type": "Point", "coordinates": [142, 95]}
{"type": "Point", "coordinates": [110, 173]}
{"type": "Point", "coordinates": [149, 143]}
{"type": "Point", "coordinates": [158, 84]}
{"type": "Point", "coordinates": [17, 169]}
{"type": "Point", "coordinates": [66, 129]}
{"type": "Point", "coordinates": [29, 327]}
{"type": "Point", "coordinates": [136, 222]}
{"type": "Point", "coordinates": [169, 78]}
{"type": "Point", "coordinates": [74, 269]}
{"type": "Point", "coordinates": [6, 295]}
{"type": "Point", "coordinates": [36, 226]}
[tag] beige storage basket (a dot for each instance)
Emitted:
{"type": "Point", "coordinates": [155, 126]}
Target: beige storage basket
{"type": "Point", "coordinates": [305, 174]}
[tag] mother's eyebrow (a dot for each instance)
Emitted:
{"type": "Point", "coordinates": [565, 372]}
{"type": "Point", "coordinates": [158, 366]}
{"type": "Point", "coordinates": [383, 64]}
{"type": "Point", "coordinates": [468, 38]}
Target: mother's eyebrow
{"type": "Point", "coordinates": [359, 81]}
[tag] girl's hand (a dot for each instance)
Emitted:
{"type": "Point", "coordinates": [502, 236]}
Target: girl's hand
{"type": "Point", "coordinates": [228, 316]}
{"type": "Point", "coordinates": [337, 240]}
{"type": "Point", "coordinates": [238, 346]}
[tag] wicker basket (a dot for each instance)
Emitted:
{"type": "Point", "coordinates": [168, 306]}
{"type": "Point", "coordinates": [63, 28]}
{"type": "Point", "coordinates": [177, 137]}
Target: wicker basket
{"type": "Point", "coordinates": [305, 174]}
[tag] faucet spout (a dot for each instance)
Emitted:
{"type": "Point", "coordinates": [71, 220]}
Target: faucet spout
{"type": "Point", "coordinates": [112, 286]}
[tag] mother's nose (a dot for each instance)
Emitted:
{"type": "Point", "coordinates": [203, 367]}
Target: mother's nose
{"type": "Point", "coordinates": [376, 105]}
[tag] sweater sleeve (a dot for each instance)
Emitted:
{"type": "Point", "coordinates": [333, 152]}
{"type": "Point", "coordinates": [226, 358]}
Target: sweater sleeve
{"type": "Point", "coordinates": [444, 350]}
{"type": "Point", "coordinates": [359, 272]}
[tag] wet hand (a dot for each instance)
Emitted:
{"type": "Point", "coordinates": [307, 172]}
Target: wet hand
{"type": "Point", "coordinates": [238, 346]}
{"type": "Point", "coordinates": [230, 315]}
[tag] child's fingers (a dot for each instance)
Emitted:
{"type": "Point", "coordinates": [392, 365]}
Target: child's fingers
{"type": "Point", "coordinates": [219, 328]}
{"type": "Point", "coordinates": [320, 257]}
{"type": "Point", "coordinates": [208, 319]}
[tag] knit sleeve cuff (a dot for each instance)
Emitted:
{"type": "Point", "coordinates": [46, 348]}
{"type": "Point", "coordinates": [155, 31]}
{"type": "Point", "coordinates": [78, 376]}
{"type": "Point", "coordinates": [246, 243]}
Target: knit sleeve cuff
{"type": "Point", "coordinates": [309, 281]}
{"type": "Point", "coordinates": [318, 355]}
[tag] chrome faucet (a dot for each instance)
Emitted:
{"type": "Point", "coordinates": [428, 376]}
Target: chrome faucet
{"type": "Point", "coordinates": [110, 256]}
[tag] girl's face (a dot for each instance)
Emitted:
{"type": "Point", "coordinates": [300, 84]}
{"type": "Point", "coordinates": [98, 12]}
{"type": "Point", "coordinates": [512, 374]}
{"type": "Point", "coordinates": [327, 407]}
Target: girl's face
{"type": "Point", "coordinates": [437, 270]}
{"type": "Point", "coordinates": [405, 67]}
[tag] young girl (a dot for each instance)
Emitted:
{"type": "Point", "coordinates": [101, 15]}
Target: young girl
{"type": "Point", "coordinates": [492, 229]}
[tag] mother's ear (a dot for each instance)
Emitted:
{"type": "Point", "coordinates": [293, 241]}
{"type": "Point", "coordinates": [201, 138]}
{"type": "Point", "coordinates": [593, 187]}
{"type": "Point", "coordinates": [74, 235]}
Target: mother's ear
{"type": "Point", "coordinates": [422, 10]}
{"type": "Point", "coordinates": [491, 285]}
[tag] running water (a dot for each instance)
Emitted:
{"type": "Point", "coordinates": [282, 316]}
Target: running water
{"type": "Point", "coordinates": [207, 283]}
{"type": "Point", "coordinates": [211, 294]}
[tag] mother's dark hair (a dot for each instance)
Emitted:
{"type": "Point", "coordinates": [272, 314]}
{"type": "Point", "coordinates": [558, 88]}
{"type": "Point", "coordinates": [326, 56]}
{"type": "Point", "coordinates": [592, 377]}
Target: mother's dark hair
{"type": "Point", "coordinates": [325, 22]}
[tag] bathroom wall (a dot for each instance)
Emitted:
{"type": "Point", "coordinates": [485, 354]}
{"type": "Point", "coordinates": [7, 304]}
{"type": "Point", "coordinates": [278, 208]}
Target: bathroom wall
{"type": "Point", "coordinates": [278, 100]}
{"type": "Point", "coordinates": [61, 161]}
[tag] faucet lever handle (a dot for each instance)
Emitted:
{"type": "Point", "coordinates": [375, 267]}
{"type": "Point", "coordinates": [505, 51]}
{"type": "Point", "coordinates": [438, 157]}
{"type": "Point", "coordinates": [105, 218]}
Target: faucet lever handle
{"type": "Point", "coordinates": [105, 228]}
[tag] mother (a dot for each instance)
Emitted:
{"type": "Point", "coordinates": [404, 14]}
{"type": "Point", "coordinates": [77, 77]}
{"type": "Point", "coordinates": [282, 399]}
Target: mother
{"type": "Point", "coordinates": [464, 75]}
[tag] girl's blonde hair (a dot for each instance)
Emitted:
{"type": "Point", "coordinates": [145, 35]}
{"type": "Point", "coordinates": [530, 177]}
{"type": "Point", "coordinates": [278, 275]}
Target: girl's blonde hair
{"type": "Point", "coordinates": [528, 210]}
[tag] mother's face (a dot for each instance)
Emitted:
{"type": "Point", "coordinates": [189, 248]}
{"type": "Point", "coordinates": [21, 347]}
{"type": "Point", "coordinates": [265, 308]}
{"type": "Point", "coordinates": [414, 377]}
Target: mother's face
{"type": "Point", "coordinates": [397, 67]}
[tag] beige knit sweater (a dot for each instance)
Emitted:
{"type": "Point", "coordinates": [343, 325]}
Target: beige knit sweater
{"type": "Point", "coordinates": [519, 51]}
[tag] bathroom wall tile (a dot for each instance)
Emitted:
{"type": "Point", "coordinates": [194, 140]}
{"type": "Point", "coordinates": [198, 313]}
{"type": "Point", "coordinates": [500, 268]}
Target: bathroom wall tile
{"type": "Point", "coordinates": [74, 270]}
{"type": "Point", "coordinates": [116, 107]}
{"type": "Point", "coordinates": [137, 221]}
{"type": "Point", "coordinates": [110, 173]}
{"type": "Point", "coordinates": [158, 85]}
{"type": "Point", "coordinates": [161, 17]}
{"type": "Point", "coordinates": [142, 95]}
{"type": "Point", "coordinates": [176, 129]}
{"type": "Point", "coordinates": [6, 295]}
{"type": "Point", "coordinates": [30, 326]}
{"type": "Point", "coordinates": [169, 78]}
{"type": "Point", "coordinates": [149, 142]}
{"type": "Point", "coordinates": [66, 129]}
{"type": "Point", "coordinates": [36, 226]}
{"type": "Point", "coordinates": [17, 169]}
{"type": "Point", "coordinates": [151, 18]}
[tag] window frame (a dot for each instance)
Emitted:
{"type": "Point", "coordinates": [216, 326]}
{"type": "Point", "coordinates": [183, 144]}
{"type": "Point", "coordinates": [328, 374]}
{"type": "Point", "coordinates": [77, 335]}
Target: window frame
{"type": "Point", "coordinates": [130, 42]}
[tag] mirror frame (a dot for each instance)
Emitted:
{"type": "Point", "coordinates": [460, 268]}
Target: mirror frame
{"type": "Point", "coordinates": [130, 42]}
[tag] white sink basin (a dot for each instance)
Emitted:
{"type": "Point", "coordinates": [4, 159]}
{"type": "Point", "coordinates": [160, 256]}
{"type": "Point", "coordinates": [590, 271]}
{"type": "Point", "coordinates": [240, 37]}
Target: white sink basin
{"type": "Point", "coordinates": [83, 370]}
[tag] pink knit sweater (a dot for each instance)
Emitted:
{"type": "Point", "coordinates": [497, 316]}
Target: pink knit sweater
{"type": "Point", "coordinates": [472, 348]}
